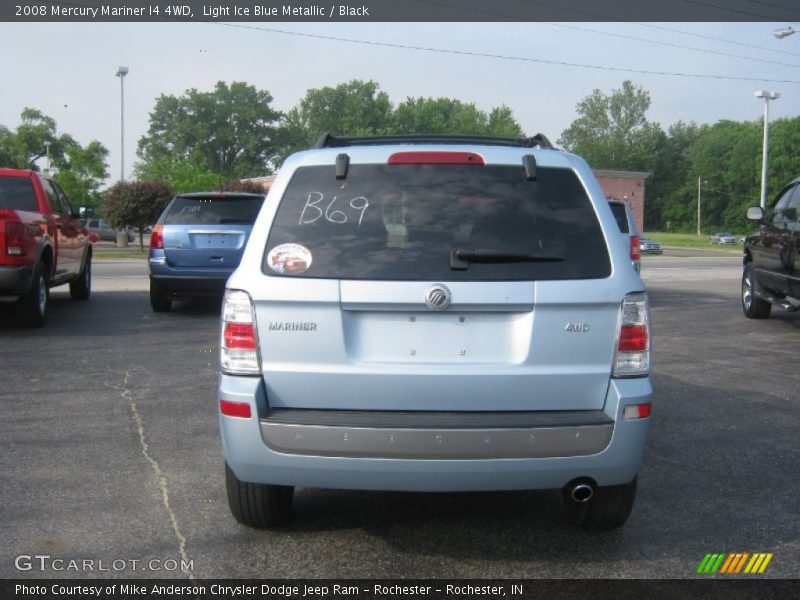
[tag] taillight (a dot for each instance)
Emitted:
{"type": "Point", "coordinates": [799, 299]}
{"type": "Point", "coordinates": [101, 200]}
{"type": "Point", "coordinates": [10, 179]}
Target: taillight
{"type": "Point", "coordinates": [635, 250]}
{"type": "Point", "coordinates": [632, 355]}
{"type": "Point", "coordinates": [239, 339]}
{"type": "Point", "coordinates": [632, 411]}
{"type": "Point", "coordinates": [15, 238]}
{"type": "Point", "coordinates": [156, 239]}
{"type": "Point", "coordinates": [436, 158]}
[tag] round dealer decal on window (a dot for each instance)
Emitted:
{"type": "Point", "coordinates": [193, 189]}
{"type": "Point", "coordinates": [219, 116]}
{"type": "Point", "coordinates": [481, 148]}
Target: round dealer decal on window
{"type": "Point", "coordinates": [289, 258]}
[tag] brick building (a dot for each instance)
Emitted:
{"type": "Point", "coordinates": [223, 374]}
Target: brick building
{"type": "Point", "coordinates": [627, 186]}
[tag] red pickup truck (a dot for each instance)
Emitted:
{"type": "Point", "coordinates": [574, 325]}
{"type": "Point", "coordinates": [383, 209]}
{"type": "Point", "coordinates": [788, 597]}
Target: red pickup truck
{"type": "Point", "coordinates": [42, 244]}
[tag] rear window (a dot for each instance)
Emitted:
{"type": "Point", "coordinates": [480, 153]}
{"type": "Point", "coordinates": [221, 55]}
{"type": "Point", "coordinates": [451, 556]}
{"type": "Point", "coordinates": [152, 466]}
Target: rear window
{"type": "Point", "coordinates": [620, 216]}
{"type": "Point", "coordinates": [402, 223]}
{"type": "Point", "coordinates": [17, 193]}
{"type": "Point", "coordinates": [213, 211]}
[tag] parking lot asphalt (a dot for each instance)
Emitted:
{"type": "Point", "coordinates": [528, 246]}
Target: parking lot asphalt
{"type": "Point", "coordinates": [111, 453]}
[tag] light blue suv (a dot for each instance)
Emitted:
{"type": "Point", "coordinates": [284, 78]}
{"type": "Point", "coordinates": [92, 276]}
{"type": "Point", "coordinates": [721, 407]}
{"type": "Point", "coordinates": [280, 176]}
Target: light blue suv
{"type": "Point", "coordinates": [435, 313]}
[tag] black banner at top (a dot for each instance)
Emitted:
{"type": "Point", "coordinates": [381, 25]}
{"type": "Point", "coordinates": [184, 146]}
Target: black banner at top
{"type": "Point", "coordinates": [778, 11]}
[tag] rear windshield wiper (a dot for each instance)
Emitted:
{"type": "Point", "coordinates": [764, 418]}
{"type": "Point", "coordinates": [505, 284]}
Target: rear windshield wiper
{"type": "Point", "coordinates": [232, 220]}
{"type": "Point", "coordinates": [460, 259]}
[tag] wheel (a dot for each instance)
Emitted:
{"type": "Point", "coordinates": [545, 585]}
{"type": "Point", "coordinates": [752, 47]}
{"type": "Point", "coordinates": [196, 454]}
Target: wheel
{"type": "Point", "coordinates": [753, 306]}
{"type": "Point", "coordinates": [81, 287]}
{"type": "Point", "coordinates": [159, 301]}
{"type": "Point", "coordinates": [609, 507]}
{"type": "Point", "coordinates": [256, 504]}
{"type": "Point", "coordinates": [33, 305]}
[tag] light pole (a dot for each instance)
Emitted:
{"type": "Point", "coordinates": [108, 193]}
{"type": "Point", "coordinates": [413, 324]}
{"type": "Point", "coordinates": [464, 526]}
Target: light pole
{"type": "Point", "coordinates": [767, 96]}
{"type": "Point", "coordinates": [121, 72]}
{"type": "Point", "coordinates": [700, 183]}
{"type": "Point", "coordinates": [786, 32]}
{"type": "Point", "coordinates": [47, 151]}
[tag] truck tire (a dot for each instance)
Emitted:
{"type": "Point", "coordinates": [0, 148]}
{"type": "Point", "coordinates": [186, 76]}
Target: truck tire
{"type": "Point", "coordinates": [256, 504]}
{"type": "Point", "coordinates": [609, 507]}
{"type": "Point", "coordinates": [33, 305]}
{"type": "Point", "coordinates": [753, 306]}
{"type": "Point", "coordinates": [81, 287]}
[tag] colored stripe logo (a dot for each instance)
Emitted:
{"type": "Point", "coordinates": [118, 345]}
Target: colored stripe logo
{"type": "Point", "coordinates": [734, 563]}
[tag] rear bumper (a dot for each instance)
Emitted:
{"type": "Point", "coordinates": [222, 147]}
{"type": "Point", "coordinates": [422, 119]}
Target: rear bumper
{"type": "Point", "coordinates": [15, 281]}
{"type": "Point", "coordinates": [434, 435]}
{"type": "Point", "coordinates": [430, 458]}
{"type": "Point", "coordinates": [189, 281]}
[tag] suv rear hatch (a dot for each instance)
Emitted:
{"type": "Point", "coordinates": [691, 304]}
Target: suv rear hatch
{"type": "Point", "coordinates": [208, 230]}
{"type": "Point", "coordinates": [351, 319]}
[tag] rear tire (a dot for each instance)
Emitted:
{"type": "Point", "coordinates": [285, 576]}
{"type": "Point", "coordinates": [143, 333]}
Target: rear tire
{"type": "Point", "coordinates": [81, 288]}
{"type": "Point", "coordinates": [258, 505]}
{"type": "Point", "coordinates": [609, 507]}
{"type": "Point", "coordinates": [159, 301]}
{"type": "Point", "coordinates": [753, 306]}
{"type": "Point", "coordinates": [34, 304]}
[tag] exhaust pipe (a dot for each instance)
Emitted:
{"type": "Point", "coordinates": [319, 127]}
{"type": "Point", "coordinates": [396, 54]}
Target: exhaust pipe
{"type": "Point", "coordinates": [581, 493]}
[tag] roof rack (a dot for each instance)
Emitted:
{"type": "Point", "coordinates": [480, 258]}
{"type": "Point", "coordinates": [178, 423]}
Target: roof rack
{"type": "Point", "coordinates": [328, 140]}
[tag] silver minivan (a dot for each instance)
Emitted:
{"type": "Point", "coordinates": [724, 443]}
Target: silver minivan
{"type": "Point", "coordinates": [435, 313]}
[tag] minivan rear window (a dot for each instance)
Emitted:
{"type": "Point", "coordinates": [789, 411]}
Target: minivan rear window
{"type": "Point", "coordinates": [402, 222]}
{"type": "Point", "coordinates": [16, 193]}
{"type": "Point", "coordinates": [213, 210]}
{"type": "Point", "coordinates": [619, 214]}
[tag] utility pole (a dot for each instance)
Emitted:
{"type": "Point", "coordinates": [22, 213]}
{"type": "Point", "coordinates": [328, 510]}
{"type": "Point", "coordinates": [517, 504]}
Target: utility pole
{"type": "Point", "coordinates": [700, 183]}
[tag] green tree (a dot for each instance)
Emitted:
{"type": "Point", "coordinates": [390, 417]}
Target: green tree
{"type": "Point", "coordinates": [6, 147]}
{"type": "Point", "coordinates": [669, 173]}
{"type": "Point", "coordinates": [181, 175]}
{"type": "Point", "coordinates": [612, 130]}
{"type": "Point", "coordinates": [81, 171]}
{"type": "Point", "coordinates": [784, 158]}
{"type": "Point", "coordinates": [451, 116]}
{"type": "Point", "coordinates": [503, 123]}
{"type": "Point", "coordinates": [135, 204]}
{"type": "Point", "coordinates": [228, 131]}
{"type": "Point", "coordinates": [355, 108]}
{"type": "Point", "coordinates": [36, 132]}
{"type": "Point", "coordinates": [30, 141]}
{"type": "Point", "coordinates": [359, 108]}
{"type": "Point", "coordinates": [726, 157]}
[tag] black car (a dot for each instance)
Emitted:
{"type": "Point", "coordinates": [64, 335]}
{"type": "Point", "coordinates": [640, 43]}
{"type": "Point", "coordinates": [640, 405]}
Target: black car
{"type": "Point", "coordinates": [771, 275]}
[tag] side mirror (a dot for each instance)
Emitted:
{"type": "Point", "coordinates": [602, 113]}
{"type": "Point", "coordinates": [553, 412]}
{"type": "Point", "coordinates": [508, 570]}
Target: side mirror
{"type": "Point", "coordinates": [755, 213]}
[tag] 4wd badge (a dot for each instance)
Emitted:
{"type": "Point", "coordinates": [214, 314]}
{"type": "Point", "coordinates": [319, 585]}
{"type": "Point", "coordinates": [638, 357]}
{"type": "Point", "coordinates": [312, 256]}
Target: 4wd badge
{"type": "Point", "coordinates": [576, 327]}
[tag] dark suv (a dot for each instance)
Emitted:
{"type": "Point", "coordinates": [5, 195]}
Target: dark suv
{"type": "Point", "coordinates": [770, 273]}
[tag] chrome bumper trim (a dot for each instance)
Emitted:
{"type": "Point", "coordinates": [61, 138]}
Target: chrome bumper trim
{"type": "Point", "coordinates": [454, 444]}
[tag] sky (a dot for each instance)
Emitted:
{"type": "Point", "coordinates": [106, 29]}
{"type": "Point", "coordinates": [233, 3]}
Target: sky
{"type": "Point", "coordinates": [67, 70]}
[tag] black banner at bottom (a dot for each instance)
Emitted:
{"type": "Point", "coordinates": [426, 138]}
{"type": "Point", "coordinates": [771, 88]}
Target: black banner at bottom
{"type": "Point", "coordinates": [380, 589]}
